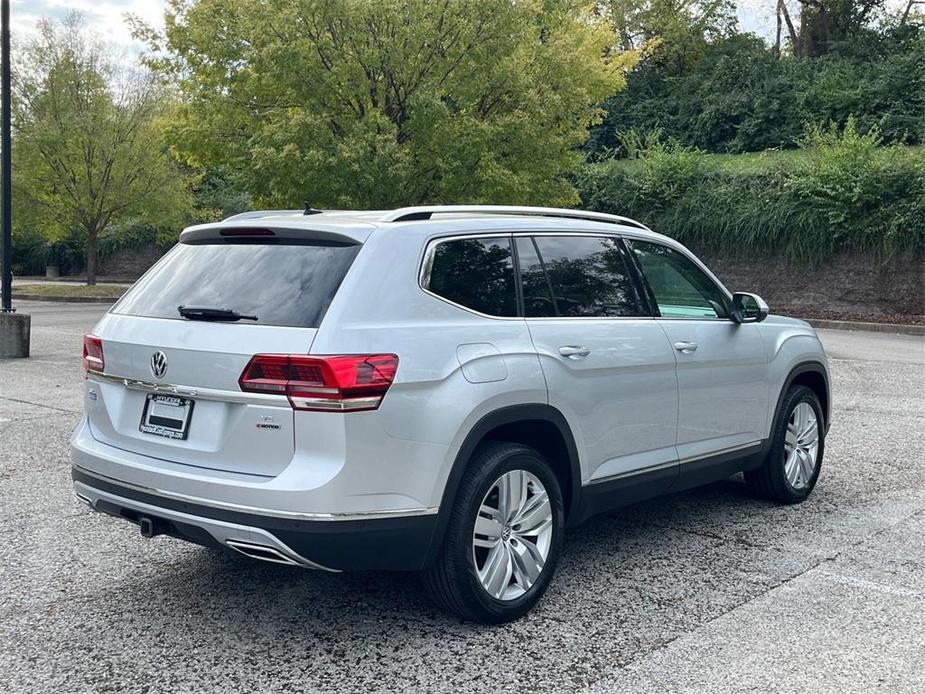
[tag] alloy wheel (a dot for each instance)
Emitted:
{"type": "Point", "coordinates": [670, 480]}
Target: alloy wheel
{"type": "Point", "coordinates": [512, 535]}
{"type": "Point", "coordinates": [801, 446]}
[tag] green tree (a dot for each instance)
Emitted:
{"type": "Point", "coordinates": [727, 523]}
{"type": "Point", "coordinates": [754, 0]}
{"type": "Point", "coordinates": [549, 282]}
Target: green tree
{"type": "Point", "coordinates": [87, 152]}
{"type": "Point", "coordinates": [672, 32]}
{"type": "Point", "coordinates": [824, 23]}
{"type": "Point", "coordinates": [349, 103]}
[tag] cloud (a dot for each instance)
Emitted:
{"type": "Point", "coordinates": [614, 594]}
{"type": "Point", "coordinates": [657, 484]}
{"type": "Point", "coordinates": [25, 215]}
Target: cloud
{"type": "Point", "coordinates": [104, 17]}
{"type": "Point", "coordinates": [107, 17]}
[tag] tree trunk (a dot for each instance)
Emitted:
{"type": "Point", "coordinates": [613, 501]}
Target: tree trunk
{"type": "Point", "coordinates": [779, 27]}
{"type": "Point", "coordinates": [794, 39]}
{"type": "Point", "coordinates": [92, 252]}
{"type": "Point", "coordinates": [815, 31]}
{"type": "Point", "coordinates": [909, 5]}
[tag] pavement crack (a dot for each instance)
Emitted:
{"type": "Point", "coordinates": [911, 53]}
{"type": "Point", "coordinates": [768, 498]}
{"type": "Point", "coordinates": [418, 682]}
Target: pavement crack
{"type": "Point", "coordinates": [869, 410]}
{"type": "Point", "coordinates": [697, 533]}
{"type": "Point", "coordinates": [38, 404]}
{"type": "Point", "coordinates": [822, 560]}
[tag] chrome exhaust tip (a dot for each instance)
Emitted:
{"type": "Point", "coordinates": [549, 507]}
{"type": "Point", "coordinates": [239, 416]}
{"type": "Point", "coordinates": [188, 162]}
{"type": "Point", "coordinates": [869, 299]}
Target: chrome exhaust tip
{"type": "Point", "coordinates": [84, 500]}
{"type": "Point", "coordinates": [261, 552]}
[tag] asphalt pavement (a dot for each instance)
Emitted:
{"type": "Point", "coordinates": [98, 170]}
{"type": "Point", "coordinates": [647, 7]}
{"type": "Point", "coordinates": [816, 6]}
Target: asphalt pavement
{"type": "Point", "coordinates": [708, 590]}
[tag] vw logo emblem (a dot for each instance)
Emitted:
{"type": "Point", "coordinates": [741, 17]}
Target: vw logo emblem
{"type": "Point", "coordinates": [158, 364]}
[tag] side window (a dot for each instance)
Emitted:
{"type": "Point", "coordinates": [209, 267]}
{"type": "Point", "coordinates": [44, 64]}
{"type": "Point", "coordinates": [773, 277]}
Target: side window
{"type": "Point", "coordinates": [576, 276]}
{"type": "Point", "coordinates": [681, 288]}
{"type": "Point", "coordinates": [477, 273]}
{"type": "Point", "coordinates": [538, 298]}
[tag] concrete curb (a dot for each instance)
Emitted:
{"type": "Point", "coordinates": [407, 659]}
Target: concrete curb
{"type": "Point", "coordinates": [896, 328]}
{"type": "Point", "coordinates": [63, 299]}
{"type": "Point", "coordinates": [868, 327]}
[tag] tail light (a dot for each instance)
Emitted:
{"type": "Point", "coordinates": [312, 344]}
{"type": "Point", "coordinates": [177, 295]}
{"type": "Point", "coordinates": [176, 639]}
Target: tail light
{"type": "Point", "coordinates": [93, 355]}
{"type": "Point", "coordinates": [351, 382]}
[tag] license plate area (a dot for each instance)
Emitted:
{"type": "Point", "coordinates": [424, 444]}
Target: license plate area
{"type": "Point", "coordinates": [166, 415]}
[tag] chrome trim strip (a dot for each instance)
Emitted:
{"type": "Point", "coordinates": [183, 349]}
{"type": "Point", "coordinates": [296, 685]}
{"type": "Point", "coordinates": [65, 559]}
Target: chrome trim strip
{"type": "Point", "coordinates": [682, 461]}
{"type": "Point", "coordinates": [266, 399]}
{"type": "Point", "coordinates": [631, 473]}
{"type": "Point", "coordinates": [335, 405]}
{"type": "Point", "coordinates": [226, 506]}
{"type": "Point", "coordinates": [222, 531]}
{"type": "Point", "coordinates": [427, 262]}
{"type": "Point", "coordinates": [276, 557]}
{"type": "Point", "coordinates": [722, 451]}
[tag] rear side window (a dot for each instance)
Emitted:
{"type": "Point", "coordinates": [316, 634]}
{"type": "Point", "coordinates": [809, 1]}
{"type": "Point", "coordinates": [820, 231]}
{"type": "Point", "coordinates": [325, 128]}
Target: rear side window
{"type": "Point", "coordinates": [285, 284]}
{"type": "Point", "coordinates": [576, 276]}
{"type": "Point", "coordinates": [477, 273]}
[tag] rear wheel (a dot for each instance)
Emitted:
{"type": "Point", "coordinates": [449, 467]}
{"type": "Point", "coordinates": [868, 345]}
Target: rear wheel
{"type": "Point", "coordinates": [504, 536]}
{"type": "Point", "coordinates": [791, 468]}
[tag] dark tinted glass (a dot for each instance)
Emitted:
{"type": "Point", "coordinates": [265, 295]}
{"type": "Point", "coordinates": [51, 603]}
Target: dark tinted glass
{"type": "Point", "coordinates": [538, 299]}
{"type": "Point", "coordinates": [681, 288]}
{"type": "Point", "coordinates": [476, 273]}
{"type": "Point", "coordinates": [587, 274]}
{"type": "Point", "coordinates": [281, 284]}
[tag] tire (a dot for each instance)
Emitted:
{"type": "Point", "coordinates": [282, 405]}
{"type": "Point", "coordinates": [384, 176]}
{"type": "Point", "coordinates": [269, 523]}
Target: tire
{"type": "Point", "coordinates": [454, 581]}
{"type": "Point", "coordinates": [782, 477]}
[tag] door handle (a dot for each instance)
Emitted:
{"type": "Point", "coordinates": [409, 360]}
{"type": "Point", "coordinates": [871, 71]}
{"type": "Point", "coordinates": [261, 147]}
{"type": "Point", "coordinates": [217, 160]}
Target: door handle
{"type": "Point", "coordinates": [685, 346]}
{"type": "Point", "coordinates": [574, 351]}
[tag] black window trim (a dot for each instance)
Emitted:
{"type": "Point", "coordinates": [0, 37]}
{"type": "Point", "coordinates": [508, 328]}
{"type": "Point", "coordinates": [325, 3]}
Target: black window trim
{"type": "Point", "coordinates": [645, 296]}
{"type": "Point", "coordinates": [727, 300]}
{"type": "Point", "coordinates": [427, 265]}
{"type": "Point", "coordinates": [341, 242]}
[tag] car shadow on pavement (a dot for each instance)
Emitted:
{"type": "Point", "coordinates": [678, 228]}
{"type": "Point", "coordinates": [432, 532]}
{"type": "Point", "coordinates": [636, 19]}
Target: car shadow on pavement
{"type": "Point", "coordinates": [237, 594]}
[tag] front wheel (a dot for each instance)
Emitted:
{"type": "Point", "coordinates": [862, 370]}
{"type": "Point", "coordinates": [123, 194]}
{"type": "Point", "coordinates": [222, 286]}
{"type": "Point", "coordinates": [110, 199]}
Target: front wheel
{"type": "Point", "coordinates": [504, 536]}
{"type": "Point", "coordinates": [792, 466]}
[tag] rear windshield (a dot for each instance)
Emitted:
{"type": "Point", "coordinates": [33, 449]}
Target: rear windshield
{"type": "Point", "coordinates": [280, 283]}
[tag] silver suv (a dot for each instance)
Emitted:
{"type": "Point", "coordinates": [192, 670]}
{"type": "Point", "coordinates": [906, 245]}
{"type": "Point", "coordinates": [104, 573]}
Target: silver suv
{"type": "Point", "coordinates": [442, 389]}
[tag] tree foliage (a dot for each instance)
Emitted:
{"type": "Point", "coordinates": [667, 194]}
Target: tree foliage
{"type": "Point", "coordinates": [348, 103]}
{"type": "Point", "coordinates": [673, 32]}
{"type": "Point", "coordinates": [87, 154]}
{"type": "Point", "coordinates": [738, 96]}
{"type": "Point", "coordinates": [824, 23]}
{"type": "Point", "coordinates": [843, 191]}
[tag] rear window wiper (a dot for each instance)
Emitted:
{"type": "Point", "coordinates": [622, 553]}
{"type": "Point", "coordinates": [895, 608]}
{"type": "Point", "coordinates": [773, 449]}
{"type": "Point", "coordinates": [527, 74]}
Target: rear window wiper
{"type": "Point", "coordinates": [211, 313]}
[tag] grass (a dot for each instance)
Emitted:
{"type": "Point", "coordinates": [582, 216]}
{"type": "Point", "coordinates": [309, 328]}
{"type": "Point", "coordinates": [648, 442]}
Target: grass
{"type": "Point", "coordinates": [758, 162]}
{"type": "Point", "coordinates": [69, 290]}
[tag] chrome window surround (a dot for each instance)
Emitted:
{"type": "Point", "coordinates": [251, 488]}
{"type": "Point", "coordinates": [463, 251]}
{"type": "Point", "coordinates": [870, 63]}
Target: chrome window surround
{"type": "Point", "coordinates": [707, 273]}
{"type": "Point", "coordinates": [427, 260]}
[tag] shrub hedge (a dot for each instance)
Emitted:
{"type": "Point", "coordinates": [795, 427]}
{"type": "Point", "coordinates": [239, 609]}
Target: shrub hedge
{"type": "Point", "coordinates": [736, 96]}
{"type": "Point", "coordinates": [841, 191]}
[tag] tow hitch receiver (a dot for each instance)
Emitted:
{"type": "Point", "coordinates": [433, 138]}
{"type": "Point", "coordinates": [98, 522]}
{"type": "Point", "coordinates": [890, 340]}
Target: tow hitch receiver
{"type": "Point", "coordinates": [150, 527]}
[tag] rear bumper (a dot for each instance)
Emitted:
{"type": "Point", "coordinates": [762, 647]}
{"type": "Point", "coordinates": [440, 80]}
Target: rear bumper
{"type": "Point", "coordinates": [394, 543]}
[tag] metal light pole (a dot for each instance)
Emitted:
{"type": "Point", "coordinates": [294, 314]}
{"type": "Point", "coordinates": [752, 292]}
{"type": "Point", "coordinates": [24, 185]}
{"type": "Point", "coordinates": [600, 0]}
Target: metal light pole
{"type": "Point", "coordinates": [14, 328]}
{"type": "Point", "coordinates": [5, 162]}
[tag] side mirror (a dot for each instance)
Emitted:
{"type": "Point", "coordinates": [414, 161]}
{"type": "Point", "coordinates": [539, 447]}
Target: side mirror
{"type": "Point", "coordinates": [748, 308]}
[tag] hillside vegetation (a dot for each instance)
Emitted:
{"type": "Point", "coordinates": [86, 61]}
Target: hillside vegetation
{"type": "Point", "coordinates": [842, 190]}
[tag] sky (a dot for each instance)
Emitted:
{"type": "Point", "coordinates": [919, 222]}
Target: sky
{"type": "Point", "coordinates": [107, 17]}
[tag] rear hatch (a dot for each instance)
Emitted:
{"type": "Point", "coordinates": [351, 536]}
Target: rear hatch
{"type": "Point", "coordinates": [169, 388]}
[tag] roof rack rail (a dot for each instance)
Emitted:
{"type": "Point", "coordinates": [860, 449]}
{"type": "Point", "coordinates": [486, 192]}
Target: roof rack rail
{"type": "Point", "coordinates": [409, 214]}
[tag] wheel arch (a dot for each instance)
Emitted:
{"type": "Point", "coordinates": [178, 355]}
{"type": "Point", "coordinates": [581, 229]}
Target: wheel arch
{"type": "Point", "coordinates": [814, 375]}
{"type": "Point", "coordinates": [539, 426]}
